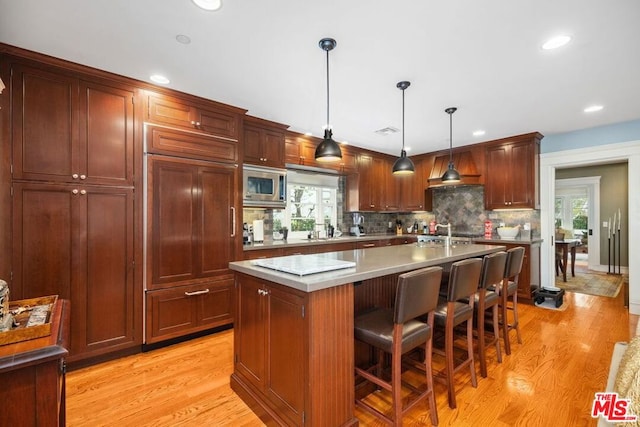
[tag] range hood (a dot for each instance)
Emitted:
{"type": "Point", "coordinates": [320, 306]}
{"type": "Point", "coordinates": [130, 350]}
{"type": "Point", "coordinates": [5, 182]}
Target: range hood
{"type": "Point", "coordinates": [464, 164]}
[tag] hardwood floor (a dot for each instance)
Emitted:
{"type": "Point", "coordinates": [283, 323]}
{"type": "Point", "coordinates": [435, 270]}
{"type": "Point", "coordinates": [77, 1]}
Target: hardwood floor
{"type": "Point", "coordinates": [548, 380]}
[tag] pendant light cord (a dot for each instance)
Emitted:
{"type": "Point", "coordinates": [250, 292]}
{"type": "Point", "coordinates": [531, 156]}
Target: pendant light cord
{"type": "Point", "coordinates": [328, 126]}
{"type": "Point", "coordinates": [403, 120]}
{"type": "Point", "coordinates": [450, 138]}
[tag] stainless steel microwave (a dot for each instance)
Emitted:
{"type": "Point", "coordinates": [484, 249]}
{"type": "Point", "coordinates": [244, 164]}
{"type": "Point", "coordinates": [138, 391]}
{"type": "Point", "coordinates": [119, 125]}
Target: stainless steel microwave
{"type": "Point", "coordinates": [264, 187]}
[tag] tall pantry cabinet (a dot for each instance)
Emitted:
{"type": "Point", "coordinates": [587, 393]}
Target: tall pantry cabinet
{"type": "Point", "coordinates": [72, 159]}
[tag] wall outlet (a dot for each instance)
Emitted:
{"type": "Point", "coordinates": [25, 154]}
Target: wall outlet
{"type": "Point", "coordinates": [605, 224]}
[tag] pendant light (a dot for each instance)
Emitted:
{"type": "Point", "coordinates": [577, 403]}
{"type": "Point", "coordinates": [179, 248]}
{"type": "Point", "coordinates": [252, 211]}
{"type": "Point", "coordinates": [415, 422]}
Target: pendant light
{"type": "Point", "coordinates": [451, 176]}
{"type": "Point", "coordinates": [404, 165]}
{"type": "Point", "coordinates": [328, 150]}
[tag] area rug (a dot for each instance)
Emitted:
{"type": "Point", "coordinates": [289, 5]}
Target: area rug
{"type": "Point", "coordinates": [592, 283]}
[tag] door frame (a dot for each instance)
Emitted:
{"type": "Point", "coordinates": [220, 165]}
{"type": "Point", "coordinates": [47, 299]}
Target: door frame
{"type": "Point", "coordinates": [593, 190]}
{"type": "Point", "coordinates": [585, 156]}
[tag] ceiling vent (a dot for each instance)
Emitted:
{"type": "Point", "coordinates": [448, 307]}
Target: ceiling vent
{"type": "Point", "coordinates": [387, 131]}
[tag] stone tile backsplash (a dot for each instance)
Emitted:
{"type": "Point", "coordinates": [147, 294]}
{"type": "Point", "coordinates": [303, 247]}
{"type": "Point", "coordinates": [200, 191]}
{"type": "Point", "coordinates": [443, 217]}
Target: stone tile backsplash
{"type": "Point", "coordinates": [463, 206]}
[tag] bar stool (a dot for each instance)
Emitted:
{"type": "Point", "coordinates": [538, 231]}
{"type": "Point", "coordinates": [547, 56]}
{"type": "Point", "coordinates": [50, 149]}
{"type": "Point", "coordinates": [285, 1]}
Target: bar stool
{"type": "Point", "coordinates": [493, 267]}
{"type": "Point", "coordinates": [515, 256]}
{"type": "Point", "coordinates": [397, 332]}
{"type": "Point", "coordinates": [463, 284]}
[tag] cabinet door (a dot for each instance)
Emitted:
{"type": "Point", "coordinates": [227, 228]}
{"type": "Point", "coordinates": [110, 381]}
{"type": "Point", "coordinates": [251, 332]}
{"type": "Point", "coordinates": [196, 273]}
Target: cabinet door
{"type": "Point", "coordinates": [250, 343]}
{"type": "Point", "coordinates": [45, 233]}
{"type": "Point", "coordinates": [285, 354]}
{"type": "Point", "coordinates": [392, 187]}
{"type": "Point", "coordinates": [174, 215]}
{"type": "Point", "coordinates": [215, 229]}
{"type": "Point", "coordinates": [104, 299]}
{"type": "Point", "coordinates": [522, 175]}
{"type": "Point", "coordinates": [273, 148]}
{"type": "Point", "coordinates": [252, 145]}
{"type": "Point", "coordinates": [44, 134]}
{"type": "Point", "coordinates": [106, 135]}
{"type": "Point", "coordinates": [497, 186]}
{"type": "Point", "coordinates": [413, 189]}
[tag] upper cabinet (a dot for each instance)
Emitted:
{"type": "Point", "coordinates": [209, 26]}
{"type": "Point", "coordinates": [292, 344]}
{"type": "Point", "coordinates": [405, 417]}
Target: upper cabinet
{"type": "Point", "coordinates": [71, 137]}
{"type": "Point", "coordinates": [512, 180]}
{"type": "Point", "coordinates": [191, 114]}
{"type": "Point", "coordinates": [301, 150]}
{"type": "Point", "coordinates": [264, 142]}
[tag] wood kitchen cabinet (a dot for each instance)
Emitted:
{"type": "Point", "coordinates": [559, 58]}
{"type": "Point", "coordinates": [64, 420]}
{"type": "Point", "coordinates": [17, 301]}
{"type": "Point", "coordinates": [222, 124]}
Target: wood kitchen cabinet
{"type": "Point", "coordinates": [83, 133]}
{"type": "Point", "coordinates": [162, 140]}
{"type": "Point", "coordinates": [191, 240]}
{"type": "Point", "coordinates": [301, 150]}
{"type": "Point", "coordinates": [412, 188]}
{"type": "Point", "coordinates": [529, 279]}
{"type": "Point", "coordinates": [269, 345]}
{"type": "Point", "coordinates": [78, 242]}
{"type": "Point", "coordinates": [180, 310]}
{"type": "Point", "coordinates": [366, 189]}
{"type": "Point", "coordinates": [264, 142]}
{"type": "Point", "coordinates": [191, 114]}
{"type": "Point", "coordinates": [512, 173]}
{"type": "Point", "coordinates": [73, 139]}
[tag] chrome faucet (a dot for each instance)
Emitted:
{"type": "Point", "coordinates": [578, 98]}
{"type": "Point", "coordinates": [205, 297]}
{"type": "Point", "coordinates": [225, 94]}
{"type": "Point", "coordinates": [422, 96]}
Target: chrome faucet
{"type": "Point", "coordinates": [447, 240]}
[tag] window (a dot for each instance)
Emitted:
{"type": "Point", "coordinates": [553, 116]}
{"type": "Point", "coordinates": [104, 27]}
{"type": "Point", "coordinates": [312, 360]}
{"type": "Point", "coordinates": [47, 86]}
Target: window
{"type": "Point", "coordinates": [311, 204]}
{"type": "Point", "coordinates": [572, 210]}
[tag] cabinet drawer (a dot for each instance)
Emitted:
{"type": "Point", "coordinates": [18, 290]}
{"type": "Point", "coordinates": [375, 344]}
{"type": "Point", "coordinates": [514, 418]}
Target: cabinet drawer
{"type": "Point", "coordinates": [186, 144]}
{"type": "Point", "coordinates": [263, 253]}
{"type": "Point", "coordinates": [183, 310]}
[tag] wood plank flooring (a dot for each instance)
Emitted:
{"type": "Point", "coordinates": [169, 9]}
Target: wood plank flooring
{"type": "Point", "coordinates": [548, 380]}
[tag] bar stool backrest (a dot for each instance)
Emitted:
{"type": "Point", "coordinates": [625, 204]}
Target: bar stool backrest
{"type": "Point", "coordinates": [416, 293]}
{"type": "Point", "coordinates": [515, 256]}
{"type": "Point", "coordinates": [464, 278]}
{"type": "Point", "coordinates": [493, 268]}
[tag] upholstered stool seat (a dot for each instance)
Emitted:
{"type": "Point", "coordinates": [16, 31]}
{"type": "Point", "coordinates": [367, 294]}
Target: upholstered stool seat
{"type": "Point", "coordinates": [397, 332]}
{"type": "Point", "coordinates": [451, 312]}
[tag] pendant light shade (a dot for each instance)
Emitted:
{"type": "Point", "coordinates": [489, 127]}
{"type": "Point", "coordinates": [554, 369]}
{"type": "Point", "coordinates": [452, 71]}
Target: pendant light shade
{"type": "Point", "coordinates": [404, 165]}
{"type": "Point", "coordinates": [451, 176]}
{"type": "Point", "coordinates": [328, 150]}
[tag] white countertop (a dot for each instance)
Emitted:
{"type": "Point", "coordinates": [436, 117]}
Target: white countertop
{"type": "Point", "coordinates": [370, 263]}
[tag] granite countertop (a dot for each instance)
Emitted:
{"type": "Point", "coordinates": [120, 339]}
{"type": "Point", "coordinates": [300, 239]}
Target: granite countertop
{"type": "Point", "coordinates": [370, 263]}
{"type": "Point", "coordinates": [269, 244]}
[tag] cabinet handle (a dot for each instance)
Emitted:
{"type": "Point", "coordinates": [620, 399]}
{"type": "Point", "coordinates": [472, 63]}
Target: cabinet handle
{"type": "Point", "coordinates": [233, 221]}
{"type": "Point", "coordinates": [74, 176]}
{"type": "Point", "coordinates": [369, 245]}
{"type": "Point", "coordinates": [83, 176]}
{"type": "Point", "coordinates": [190, 294]}
{"type": "Point", "coordinates": [83, 192]}
{"type": "Point", "coordinates": [74, 191]}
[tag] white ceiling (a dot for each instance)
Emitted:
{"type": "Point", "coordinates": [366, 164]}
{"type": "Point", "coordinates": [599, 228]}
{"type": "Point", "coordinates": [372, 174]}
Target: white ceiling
{"type": "Point", "coordinates": [483, 57]}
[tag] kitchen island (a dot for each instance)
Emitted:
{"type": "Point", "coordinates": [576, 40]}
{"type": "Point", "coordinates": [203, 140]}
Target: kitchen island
{"type": "Point", "coordinates": [294, 352]}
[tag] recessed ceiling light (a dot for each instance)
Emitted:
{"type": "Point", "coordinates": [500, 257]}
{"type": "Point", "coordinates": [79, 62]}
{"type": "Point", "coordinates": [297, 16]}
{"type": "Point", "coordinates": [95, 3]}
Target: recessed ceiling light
{"type": "Point", "coordinates": [593, 108]}
{"type": "Point", "coordinates": [157, 78]}
{"type": "Point", "coordinates": [478, 133]}
{"type": "Point", "coordinates": [184, 39]}
{"type": "Point", "coordinates": [556, 42]}
{"type": "Point", "coordinates": [208, 4]}
{"type": "Point", "coordinates": [308, 133]}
